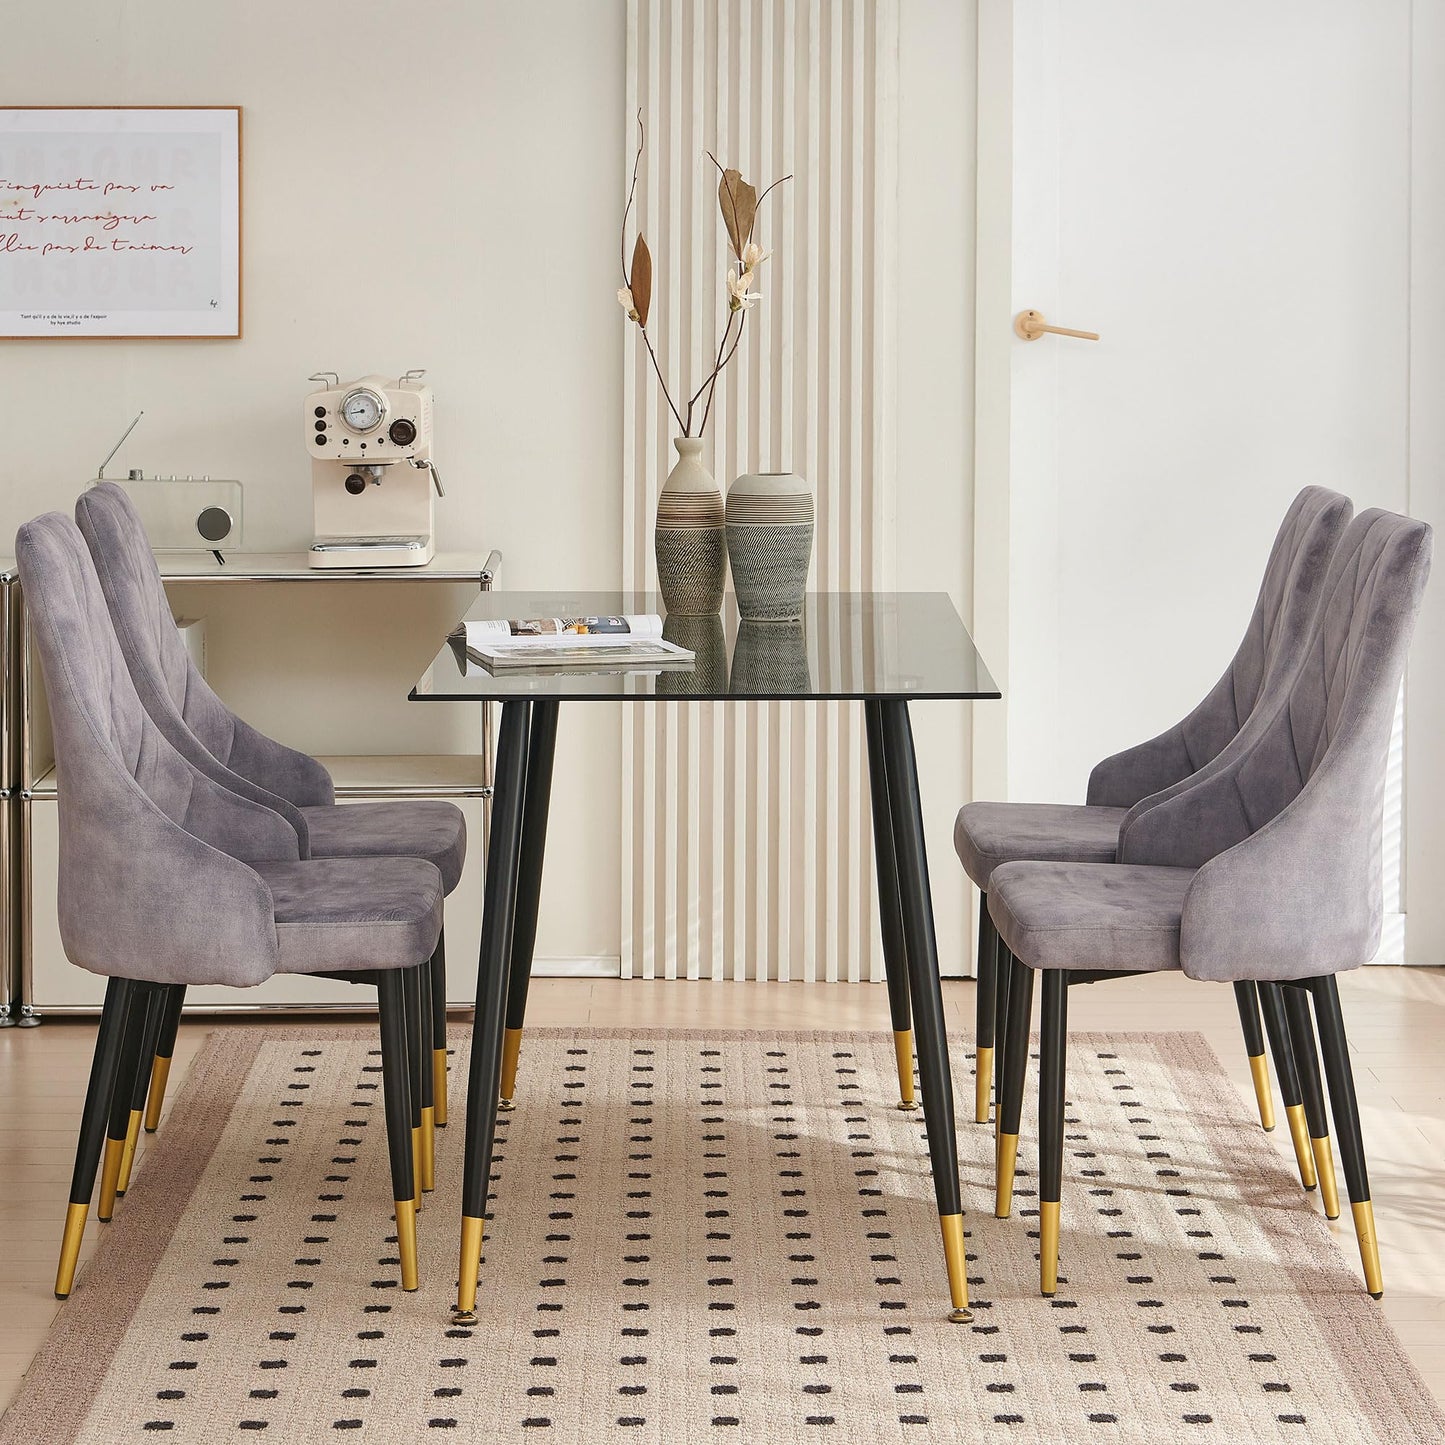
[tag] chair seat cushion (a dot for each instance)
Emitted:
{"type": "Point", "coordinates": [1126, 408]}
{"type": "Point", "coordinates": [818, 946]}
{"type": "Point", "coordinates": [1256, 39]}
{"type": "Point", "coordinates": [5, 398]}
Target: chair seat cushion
{"type": "Point", "coordinates": [1111, 917]}
{"type": "Point", "coordinates": [401, 828]}
{"type": "Point", "coordinates": [987, 834]}
{"type": "Point", "coordinates": [358, 914]}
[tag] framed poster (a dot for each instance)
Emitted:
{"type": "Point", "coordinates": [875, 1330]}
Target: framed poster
{"type": "Point", "coordinates": [120, 221]}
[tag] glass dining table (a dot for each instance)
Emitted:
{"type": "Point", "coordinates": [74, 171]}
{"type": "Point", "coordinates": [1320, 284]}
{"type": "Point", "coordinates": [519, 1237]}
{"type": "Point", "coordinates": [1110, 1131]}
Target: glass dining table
{"type": "Point", "coordinates": [884, 650]}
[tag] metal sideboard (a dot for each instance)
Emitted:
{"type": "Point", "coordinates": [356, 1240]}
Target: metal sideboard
{"type": "Point", "coordinates": [28, 815]}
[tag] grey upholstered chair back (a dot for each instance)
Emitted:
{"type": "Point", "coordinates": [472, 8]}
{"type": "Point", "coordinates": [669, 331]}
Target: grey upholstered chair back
{"type": "Point", "coordinates": [1286, 833]}
{"type": "Point", "coordinates": [170, 685]}
{"type": "Point", "coordinates": [1278, 626]}
{"type": "Point", "coordinates": [152, 885]}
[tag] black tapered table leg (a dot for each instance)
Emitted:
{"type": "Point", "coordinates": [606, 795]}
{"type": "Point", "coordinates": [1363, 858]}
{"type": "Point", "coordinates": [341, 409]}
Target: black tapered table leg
{"type": "Point", "coordinates": [438, 967]}
{"type": "Point", "coordinates": [396, 1092]}
{"type": "Point", "coordinates": [1053, 1049]}
{"type": "Point", "coordinates": [1271, 1005]}
{"type": "Point", "coordinates": [94, 1115]}
{"type": "Point", "coordinates": [985, 1010]}
{"type": "Point", "coordinates": [1015, 1068]}
{"type": "Point", "coordinates": [149, 1048]}
{"type": "Point", "coordinates": [484, 1069]}
{"type": "Point", "coordinates": [890, 908]}
{"type": "Point", "coordinates": [535, 802]}
{"type": "Point", "coordinates": [921, 945]}
{"type": "Point", "coordinates": [1246, 999]}
{"type": "Point", "coordinates": [120, 1099]}
{"type": "Point", "coordinates": [165, 1052]}
{"type": "Point", "coordinates": [1307, 1065]}
{"type": "Point", "coordinates": [1346, 1110]}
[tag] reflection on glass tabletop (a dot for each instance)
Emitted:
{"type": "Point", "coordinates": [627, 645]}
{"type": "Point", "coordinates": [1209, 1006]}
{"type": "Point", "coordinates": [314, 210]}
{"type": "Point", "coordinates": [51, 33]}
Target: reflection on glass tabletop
{"type": "Point", "coordinates": [848, 645]}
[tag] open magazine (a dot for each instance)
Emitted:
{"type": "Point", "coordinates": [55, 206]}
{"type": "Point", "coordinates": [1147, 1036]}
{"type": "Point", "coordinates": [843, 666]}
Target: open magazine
{"type": "Point", "coordinates": [597, 643]}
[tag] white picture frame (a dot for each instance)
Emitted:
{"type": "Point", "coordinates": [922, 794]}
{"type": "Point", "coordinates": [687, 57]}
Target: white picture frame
{"type": "Point", "coordinates": [120, 221]}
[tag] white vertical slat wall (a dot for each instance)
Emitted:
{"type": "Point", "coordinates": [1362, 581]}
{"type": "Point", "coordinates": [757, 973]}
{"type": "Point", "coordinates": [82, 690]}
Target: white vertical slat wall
{"type": "Point", "coordinates": [747, 839]}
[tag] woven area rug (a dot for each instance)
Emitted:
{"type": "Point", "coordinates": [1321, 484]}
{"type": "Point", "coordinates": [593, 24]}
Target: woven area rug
{"type": "Point", "coordinates": [720, 1237]}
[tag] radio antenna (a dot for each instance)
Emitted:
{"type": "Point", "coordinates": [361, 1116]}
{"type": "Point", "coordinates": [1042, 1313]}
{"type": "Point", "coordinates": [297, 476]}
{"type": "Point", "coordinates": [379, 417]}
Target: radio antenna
{"type": "Point", "coordinates": [100, 473]}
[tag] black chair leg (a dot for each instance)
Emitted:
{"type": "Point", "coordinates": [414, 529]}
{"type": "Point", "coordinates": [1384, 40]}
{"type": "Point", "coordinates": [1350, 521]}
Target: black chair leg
{"type": "Point", "coordinates": [1003, 981]}
{"type": "Point", "coordinates": [1271, 1002]}
{"type": "Point", "coordinates": [890, 908]}
{"type": "Point", "coordinates": [1246, 998]}
{"type": "Point", "coordinates": [439, 1030]}
{"type": "Point", "coordinates": [120, 1099]}
{"type": "Point", "coordinates": [104, 1067]}
{"type": "Point", "coordinates": [1016, 1061]}
{"type": "Point", "coordinates": [1054, 1038]}
{"type": "Point", "coordinates": [427, 1078]}
{"type": "Point", "coordinates": [165, 1052]}
{"type": "Point", "coordinates": [1306, 1058]}
{"type": "Point", "coordinates": [149, 1048]}
{"type": "Point", "coordinates": [986, 1006]}
{"type": "Point", "coordinates": [1346, 1110]}
{"type": "Point", "coordinates": [396, 1086]}
{"type": "Point", "coordinates": [411, 1005]}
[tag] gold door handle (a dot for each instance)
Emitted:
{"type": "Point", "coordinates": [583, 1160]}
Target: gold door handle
{"type": "Point", "coordinates": [1030, 325]}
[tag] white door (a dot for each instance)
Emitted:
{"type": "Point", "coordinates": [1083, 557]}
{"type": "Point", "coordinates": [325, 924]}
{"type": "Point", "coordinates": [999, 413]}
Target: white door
{"type": "Point", "coordinates": [1221, 191]}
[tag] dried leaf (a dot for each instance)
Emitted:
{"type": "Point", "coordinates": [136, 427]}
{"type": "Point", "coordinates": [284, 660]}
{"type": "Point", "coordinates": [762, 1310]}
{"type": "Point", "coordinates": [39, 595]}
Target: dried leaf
{"type": "Point", "coordinates": [641, 280]}
{"type": "Point", "coordinates": [739, 203]}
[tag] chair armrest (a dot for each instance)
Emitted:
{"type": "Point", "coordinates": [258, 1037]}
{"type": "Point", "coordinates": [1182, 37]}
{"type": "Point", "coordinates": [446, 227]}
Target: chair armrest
{"type": "Point", "coordinates": [294, 776]}
{"type": "Point", "coordinates": [1125, 778]}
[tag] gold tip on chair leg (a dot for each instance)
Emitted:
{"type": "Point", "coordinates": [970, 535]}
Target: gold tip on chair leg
{"type": "Point", "coordinates": [406, 1242]}
{"type": "Point", "coordinates": [1299, 1133]}
{"type": "Point", "coordinates": [439, 1086]}
{"type": "Point", "coordinates": [156, 1098]}
{"type": "Point", "coordinates": [70, 1249]}
{"type": "Point", "coordinates": [428, 1149]}
{"type": "Point", "coordinates": [109, 1175]}
{"type": "Point", "coordinates": [511, 1051]}
{"type": "Point", "coordinates": [1004, 1164]}
{"type": "Point", "coordinates": [1263, 1095]}
{"type": "Point", "coordinates": [955, 1257]}
{"type": "Point", "coordinates": [903, 1052]}
{"type": "Point", "coordinates": [127, 1154]}
{"type": "Point", "coordinates": [471, 1263]}
{"type": "Point", "coordinates": [982, 1083]}
{"type": "Point", "coordinates": [1369, 1247]}
{"type": "Point", "coordinates": [1324, 1155]}
{"type": "Point", "coordinates": [1048, 1247]}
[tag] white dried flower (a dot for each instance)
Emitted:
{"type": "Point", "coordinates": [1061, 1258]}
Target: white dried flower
{"type": "Point", "coordinates": [738, 293]}
{"type": "Point", "coordinates": [624, 300]}
{"type": "Point", "coordinates": [754, 256]}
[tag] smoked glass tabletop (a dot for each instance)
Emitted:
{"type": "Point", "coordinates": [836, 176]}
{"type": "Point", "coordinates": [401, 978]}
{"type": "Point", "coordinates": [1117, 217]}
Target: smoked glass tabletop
{"type": "Point", "coordinates": [848, 645]}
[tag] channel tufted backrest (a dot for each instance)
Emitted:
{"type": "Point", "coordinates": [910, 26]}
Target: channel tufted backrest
{"type": "Point", "coordinates": [170, 685]}
{"type": "Point", "coordinates": [1266, 657]}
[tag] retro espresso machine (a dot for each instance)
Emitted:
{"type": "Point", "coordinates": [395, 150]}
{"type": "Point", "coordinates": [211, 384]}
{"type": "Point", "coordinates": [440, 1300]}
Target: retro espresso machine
{"type": "Point", "coordinates": [372, 476]}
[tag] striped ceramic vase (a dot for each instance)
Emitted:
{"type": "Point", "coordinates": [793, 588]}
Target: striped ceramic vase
{"type": "Point", "coordinates": [691, 549]}
{"type": "Point", "coordinates": [770, 544]}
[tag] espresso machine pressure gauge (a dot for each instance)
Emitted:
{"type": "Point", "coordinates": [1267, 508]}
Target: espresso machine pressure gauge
{"type": "Point", "coordinates": [362, 410]}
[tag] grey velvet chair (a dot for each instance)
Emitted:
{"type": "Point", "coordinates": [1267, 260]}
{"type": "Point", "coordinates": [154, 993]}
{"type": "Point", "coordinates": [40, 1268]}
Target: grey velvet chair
{"type": "Point", "coordinates": [168, 878]}
{"type": "Point", "coordinates": [228, 750]}
{"type": "Point", "coordinates": [987, 834]}
{"type": "Point", "coordinates": [1268, 869]}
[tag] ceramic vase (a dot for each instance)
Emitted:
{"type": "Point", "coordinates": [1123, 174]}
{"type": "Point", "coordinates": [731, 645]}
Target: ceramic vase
{"type": "Point", "coordinates": [690, 543]}
{"type": "Point", "coordinates": [770, 659]}
{"type": "Point", "coordinates": [770, 544]}
{"type": "Point", "coordinates": [703, 636]}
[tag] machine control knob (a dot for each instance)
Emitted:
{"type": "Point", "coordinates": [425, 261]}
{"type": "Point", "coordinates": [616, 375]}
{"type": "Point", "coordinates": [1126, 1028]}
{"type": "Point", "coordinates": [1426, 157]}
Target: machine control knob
{"type": "Point", "coordinates": [214, 524]}
{"type": "Point", "coordinates": [356, 484]}
{"type": "Point", "coordinates": [402, 431]}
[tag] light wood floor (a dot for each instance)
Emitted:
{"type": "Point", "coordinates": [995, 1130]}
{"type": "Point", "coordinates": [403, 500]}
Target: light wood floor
{"type": "Point", "coordinates": [1395, 1017]}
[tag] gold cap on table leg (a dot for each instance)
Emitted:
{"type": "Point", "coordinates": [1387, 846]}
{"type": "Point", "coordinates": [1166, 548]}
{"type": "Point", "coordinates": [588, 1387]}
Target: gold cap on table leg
{"type": "Point", "coordinates": [1364, 1213]}
{"type": "Point", "coordinates": [127, 1154]}
{"type": "Point", "coordinates": [1299, 1133]}
{"type": "Point", "coordinates": [956, 1258]}
{"type": "Point", "coordinates": [1324, 1153]}
{"type": "Point", "coordinates": [903, 1052]}
{"type": "Point", "coordinates": [982, 1083]}
{"type": "Point", "coordinates": [155, 1100]}
{"type": "Point", "coordinates": [428, 1149]}
{"type": "Point", "coordinates": [406, 1242]}
{"type": "Point", "coordinates": [1263, 1094]}
{"type": "Point", "coordinates": [1048, 1246]}
{"type": "Point", "coordinates": [511, 1051]}
{"type": "Point", "coordinates": [70, 1248]}
{"type": "Point", "coordinates": [471, 1263]}
{"type": "Point", "coordinates": [439, 1085]}
{"type": "Point", "coordinates": [1004, 1163]}
{"type": "Point", "coordinates": [109, 1174]}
